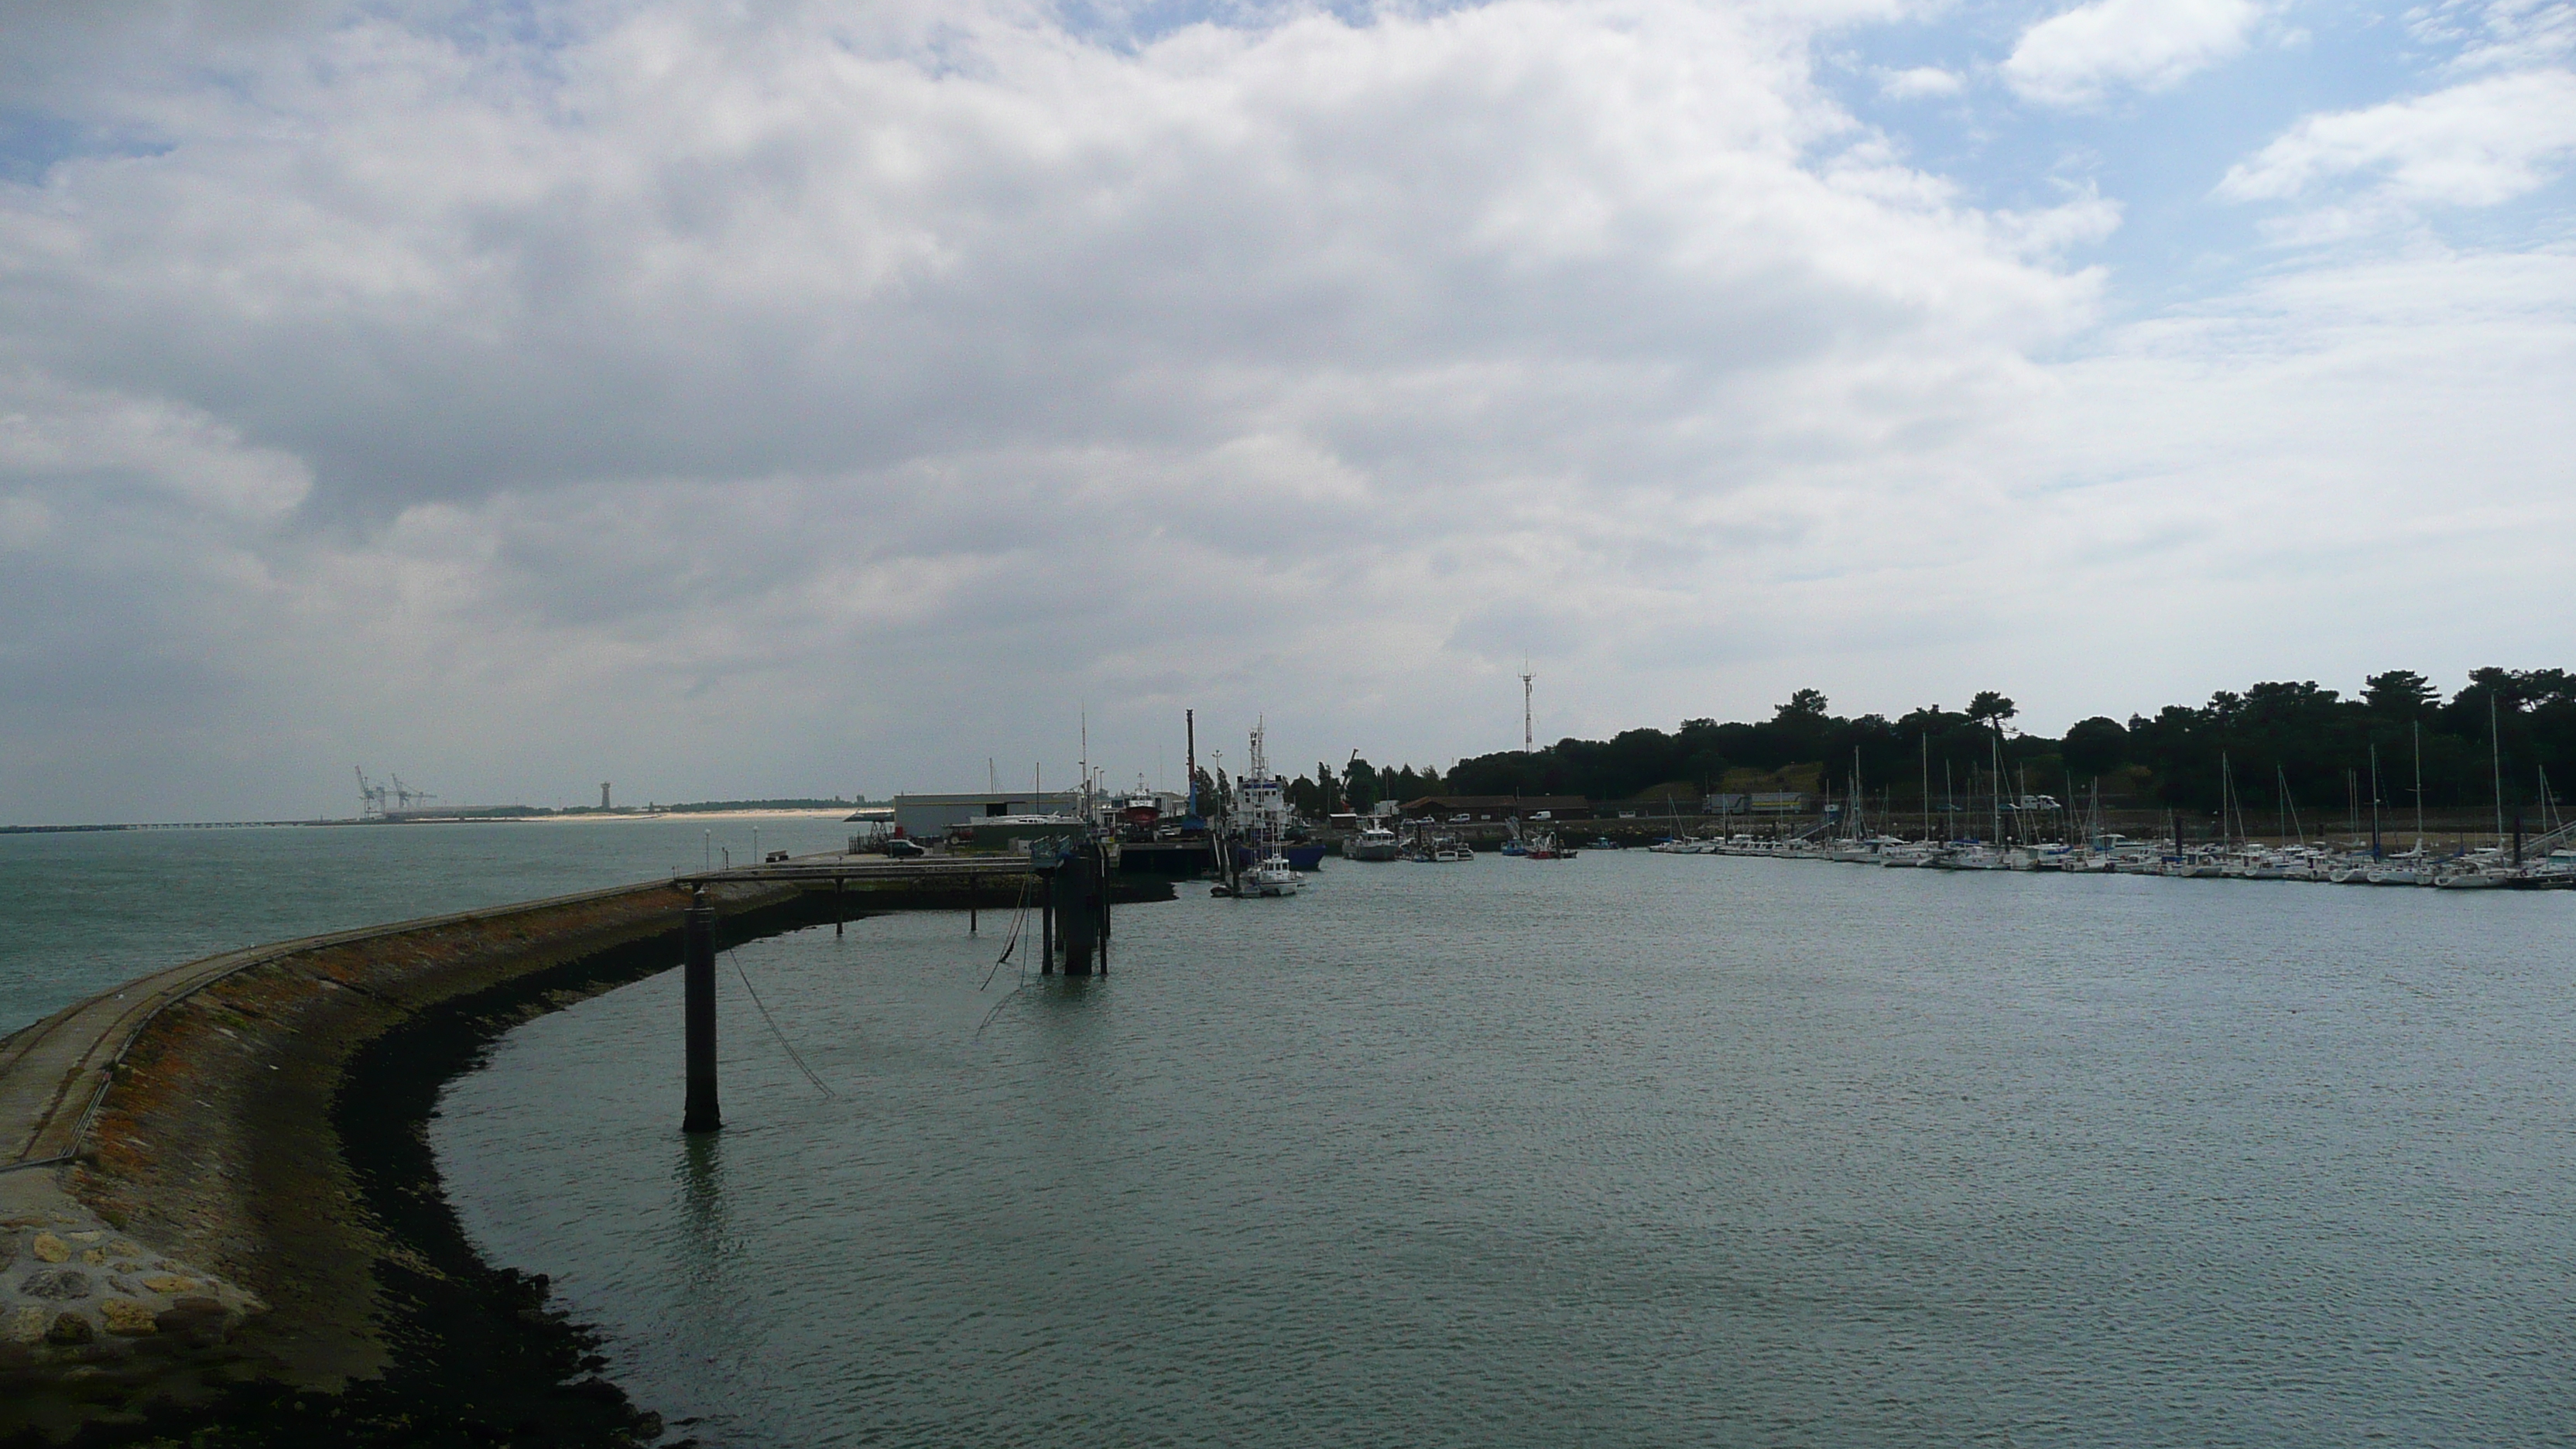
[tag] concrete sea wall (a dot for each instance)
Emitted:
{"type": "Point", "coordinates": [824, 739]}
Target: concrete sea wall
{"type": "Point", "coordinates": [217, 1204]}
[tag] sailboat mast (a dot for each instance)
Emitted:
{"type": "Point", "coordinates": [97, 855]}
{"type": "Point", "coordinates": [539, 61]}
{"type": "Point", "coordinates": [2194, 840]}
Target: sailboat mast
{"type": "Point", "coordinates": [1995, 797]}
{"type": "Point", "coordinates": [2226, 795]}
{"type": "Point", "coordinates": [2495, 743]}
{"type": "Point", "coordinates": [2374, 800]}
{"type": "Point", "coordinates": [2419, 787]}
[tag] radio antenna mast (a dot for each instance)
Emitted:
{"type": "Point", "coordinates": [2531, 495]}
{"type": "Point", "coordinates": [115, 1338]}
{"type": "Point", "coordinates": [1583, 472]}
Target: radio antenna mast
{"type": "Point", "coordinates": [1528, 736]}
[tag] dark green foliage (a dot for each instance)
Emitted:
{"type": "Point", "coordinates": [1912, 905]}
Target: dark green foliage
{"type": "Point", "coordinates": [2314, 737]}
{"type": "Point", "coordinates": [2096, 747]}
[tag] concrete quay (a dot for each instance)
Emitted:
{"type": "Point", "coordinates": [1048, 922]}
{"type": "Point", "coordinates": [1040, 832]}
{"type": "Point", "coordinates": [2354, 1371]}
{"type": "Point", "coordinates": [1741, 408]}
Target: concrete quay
{"type": "Point", "coordinates": [219, 1211]}
{"type": "Point", "coordinates": [216, 1195]}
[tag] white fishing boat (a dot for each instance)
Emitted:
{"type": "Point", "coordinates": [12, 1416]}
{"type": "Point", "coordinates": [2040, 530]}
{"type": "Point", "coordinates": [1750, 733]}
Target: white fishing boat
{"type": "Point", "coordinates": [1375, 843]}
{"type": "Point", "coordinates": [1272, 877]}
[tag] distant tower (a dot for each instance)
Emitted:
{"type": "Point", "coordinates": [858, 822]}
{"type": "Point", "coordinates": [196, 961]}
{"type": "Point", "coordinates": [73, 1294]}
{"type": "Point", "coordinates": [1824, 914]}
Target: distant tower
{"type": "Point", "coordinates": [1529, 743]}
{"type": "Point", "coordinates": [603, 794]}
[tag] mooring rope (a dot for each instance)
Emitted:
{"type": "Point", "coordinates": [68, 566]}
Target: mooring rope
{"type": "Point", "coordinates": [1011, 944]}
{"type": "Point", "coordinates": [792, 1054]}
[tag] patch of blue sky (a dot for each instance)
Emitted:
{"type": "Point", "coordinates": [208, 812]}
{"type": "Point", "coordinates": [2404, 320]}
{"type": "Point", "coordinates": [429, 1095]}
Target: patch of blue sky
{"type": "Point", "coordinates": [2159, 154]}
{"type": "Point", "coordinates": [1130, 25]}
{"type": "Point", "coordinates": [33, 143]}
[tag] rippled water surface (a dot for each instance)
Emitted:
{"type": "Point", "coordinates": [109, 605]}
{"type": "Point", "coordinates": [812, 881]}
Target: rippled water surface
{"type": "Point", "coordinates": [81, 912]}
{"type": "Point", "coordinates": [1632, 1150]}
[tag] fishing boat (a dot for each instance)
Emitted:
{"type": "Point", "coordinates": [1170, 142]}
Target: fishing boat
{"type": "Point", "coordinates": [1272, 877]}
{"type": "Point", "coordinates": [1544, 847]}
{"type": "Point", "coordinates": [1375, 843]}
{"type": "Point", "coordinates": [1264, 818]}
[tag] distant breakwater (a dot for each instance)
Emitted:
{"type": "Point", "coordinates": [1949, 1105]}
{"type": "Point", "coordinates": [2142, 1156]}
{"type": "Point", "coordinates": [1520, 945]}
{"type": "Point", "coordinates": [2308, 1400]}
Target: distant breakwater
{"type": "Point", "coordinates": [219, 1214]}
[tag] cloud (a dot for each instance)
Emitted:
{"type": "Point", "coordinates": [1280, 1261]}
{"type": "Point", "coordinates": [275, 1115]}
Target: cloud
{"type": "Point", "coordinates": [757, 400]}
{"type": "Point", "coordinates": [2497, 34]}
{"type": "Point", "coordinates": [91, 439]}
{"type": "Point", "coordinates": [2476, 144]}
{"type": "Point", "coordinates": [2081, 55]}
{"type": "Point", "coordinates": [1918, 83]}
{"type": "Point", "coordinates": [2085, 217]}
{"type": "Point", "coordinates": [704, 355]}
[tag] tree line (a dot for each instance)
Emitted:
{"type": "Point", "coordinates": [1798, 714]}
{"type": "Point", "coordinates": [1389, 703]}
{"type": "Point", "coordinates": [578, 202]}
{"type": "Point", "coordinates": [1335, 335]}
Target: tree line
{"type": "Point", "coordinates": [2324, 749]}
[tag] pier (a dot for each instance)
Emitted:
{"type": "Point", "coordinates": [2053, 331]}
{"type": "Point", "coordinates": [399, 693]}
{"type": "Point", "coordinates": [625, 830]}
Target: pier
{"type": "Point", "coordinates": [216, 1174]}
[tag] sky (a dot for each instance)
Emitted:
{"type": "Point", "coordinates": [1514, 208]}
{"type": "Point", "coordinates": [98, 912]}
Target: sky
{"type": "Point", "coordinates": [764, 398]}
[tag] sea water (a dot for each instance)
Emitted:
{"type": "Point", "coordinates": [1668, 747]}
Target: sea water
{"type": "Point", "coordinates": [84, 911]}
{"type": "Point", "coordinates": [1627, 1150]}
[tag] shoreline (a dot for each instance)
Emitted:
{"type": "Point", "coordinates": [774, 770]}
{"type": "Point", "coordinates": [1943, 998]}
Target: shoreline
{"type": "Point", "coordinates": [559, 817]}
{"type": "Point", "coordinates": [335, 1291]}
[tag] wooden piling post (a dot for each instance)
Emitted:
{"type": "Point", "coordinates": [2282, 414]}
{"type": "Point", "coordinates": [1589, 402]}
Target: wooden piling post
{"type": "Point", "coordinates": [698, 1012]}
{"type": "Point", "coordinates": [1078, 890]}
{"type": "Point", "coordinates": [838, 916]}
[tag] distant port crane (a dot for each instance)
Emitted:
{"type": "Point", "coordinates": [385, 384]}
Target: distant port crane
{"type": "Point", "coordinates": [371, 796]}
{"type": "Point", "coordinates": [376, 801]}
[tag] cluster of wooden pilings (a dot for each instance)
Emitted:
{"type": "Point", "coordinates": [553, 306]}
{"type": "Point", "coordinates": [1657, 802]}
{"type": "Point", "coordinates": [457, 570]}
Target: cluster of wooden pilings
{"type": "Point", "coordinates": [1074, 897]}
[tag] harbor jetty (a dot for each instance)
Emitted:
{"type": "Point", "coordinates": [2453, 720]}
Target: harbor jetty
{"type": "Point", "coordinates": [217, 1201]}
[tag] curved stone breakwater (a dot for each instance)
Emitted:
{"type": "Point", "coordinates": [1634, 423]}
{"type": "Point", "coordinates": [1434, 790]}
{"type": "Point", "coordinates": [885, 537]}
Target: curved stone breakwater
{"type": "Point", "coordinates": [219, 1214]}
